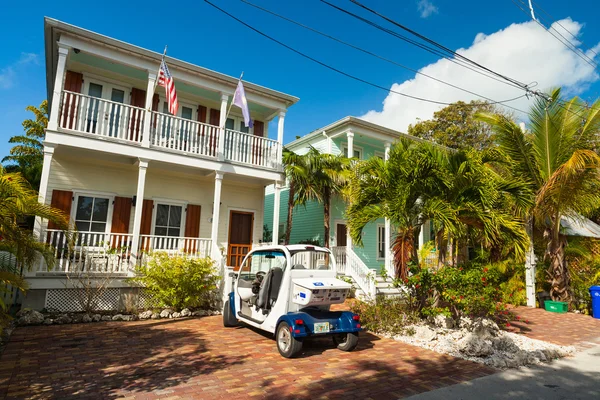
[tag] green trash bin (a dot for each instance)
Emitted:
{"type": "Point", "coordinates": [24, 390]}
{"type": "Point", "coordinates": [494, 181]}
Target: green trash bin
{"type": "Point", "coordinates": [556, 306]}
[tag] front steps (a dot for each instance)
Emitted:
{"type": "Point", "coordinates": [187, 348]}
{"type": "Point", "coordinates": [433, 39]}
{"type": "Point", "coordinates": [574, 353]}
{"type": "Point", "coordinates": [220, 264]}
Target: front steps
{"type": "Point", "coordinates": [383, 286]}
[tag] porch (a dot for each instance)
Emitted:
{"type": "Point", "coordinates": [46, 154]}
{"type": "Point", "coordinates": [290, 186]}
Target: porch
{"type": "Point", "coordinates": [115, 121]}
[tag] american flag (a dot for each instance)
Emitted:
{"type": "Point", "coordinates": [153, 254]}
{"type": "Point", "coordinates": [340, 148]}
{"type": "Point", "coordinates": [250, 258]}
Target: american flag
{"type": "Point", "coordinates": [165, 79]}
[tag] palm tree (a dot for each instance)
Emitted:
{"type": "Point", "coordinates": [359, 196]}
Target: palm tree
{"type": "Point", "coordinates": [556, 159]}
{"type": "Point", "coordinates": [27, 155]}
{"type": "Point", "coordinates": [296, 173]}
{"type": "Point", "coordinates": [422, 181]}
{"type": "Point", "coordinates": [327, 175]}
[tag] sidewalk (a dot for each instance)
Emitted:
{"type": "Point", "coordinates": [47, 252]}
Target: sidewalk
{"type": "Point", "coordinates": [573, 378]}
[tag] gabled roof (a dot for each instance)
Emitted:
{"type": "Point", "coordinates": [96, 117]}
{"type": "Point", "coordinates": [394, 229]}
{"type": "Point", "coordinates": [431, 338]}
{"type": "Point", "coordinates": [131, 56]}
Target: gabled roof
{"type": "Point", "coordinates": [356, 125]}
{"type": "Point", "coordinates": [53, 27]}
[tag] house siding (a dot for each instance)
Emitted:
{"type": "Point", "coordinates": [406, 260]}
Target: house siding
{"type": "Point", "coordinates": [77, 175]}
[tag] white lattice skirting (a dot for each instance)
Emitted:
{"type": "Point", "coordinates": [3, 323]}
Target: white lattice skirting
{"type": "Point", "coordinates": [69, 300]}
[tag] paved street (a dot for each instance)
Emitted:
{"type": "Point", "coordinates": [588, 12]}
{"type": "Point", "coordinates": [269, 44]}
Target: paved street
{"type": "Point", "coordinates": [199, 359]}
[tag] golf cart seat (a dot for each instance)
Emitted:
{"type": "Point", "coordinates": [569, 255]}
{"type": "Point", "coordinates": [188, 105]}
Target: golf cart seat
{"type": "Point", "coordinates": [298, 266]}
{"type": "Point", "coordinates": [270, 288]}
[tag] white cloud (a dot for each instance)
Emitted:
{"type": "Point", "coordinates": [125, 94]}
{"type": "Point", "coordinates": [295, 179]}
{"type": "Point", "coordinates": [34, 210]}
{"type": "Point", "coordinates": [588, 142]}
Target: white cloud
{"type": "Point", "coordinates": [426, 8]}
{"type": "Point", "coordinates": [524, 52]}
{"type": "Point", "coordinates": [8, 74]}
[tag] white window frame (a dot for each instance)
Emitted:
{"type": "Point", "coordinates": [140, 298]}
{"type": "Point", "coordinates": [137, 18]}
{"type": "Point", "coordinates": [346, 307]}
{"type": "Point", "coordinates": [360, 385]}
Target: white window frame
{"type": "Point", "coordinates": [107, 86]}
{"type": "Point", "coordinates": [111, 203]}
{"type": "Point", "coordinates": [380, 227]}
{"type": "Point", "coordinates": [167, 202]}
{"type": "Point", "coordinates": [238, 123]}
{"type": "Point", "coordinates": [379, 154]}
{"type": "Point", "coordinates": [354, 148]}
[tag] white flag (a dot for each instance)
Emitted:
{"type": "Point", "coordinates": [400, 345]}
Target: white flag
{"type": "Point", "coordinates": [239, 99]}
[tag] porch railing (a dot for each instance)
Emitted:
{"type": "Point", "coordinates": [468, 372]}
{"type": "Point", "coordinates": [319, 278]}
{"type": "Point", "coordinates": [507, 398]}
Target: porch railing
{"type": "Point", "coordinates": [88, 252]}
{"type": "Point", "coordinates": [349, 263]}
{"type": "Point", "coordinates": [339, 252]}
{"type": "Point", "coordinates": [181, 246]}
{"type": "Point", "coordinates": [170, 132]}
{"type": "Point", "coordinates": [101, 117]}
{"type": "Point", "coordinates": [249, 149]}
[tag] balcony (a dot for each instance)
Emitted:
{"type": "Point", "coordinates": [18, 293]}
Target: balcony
{"type": "Point", "coordinates": [124, 123]}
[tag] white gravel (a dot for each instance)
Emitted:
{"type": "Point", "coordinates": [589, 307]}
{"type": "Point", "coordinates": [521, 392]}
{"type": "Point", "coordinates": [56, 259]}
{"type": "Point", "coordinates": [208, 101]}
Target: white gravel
{"type": "Point", "coordinates": [486, 345]}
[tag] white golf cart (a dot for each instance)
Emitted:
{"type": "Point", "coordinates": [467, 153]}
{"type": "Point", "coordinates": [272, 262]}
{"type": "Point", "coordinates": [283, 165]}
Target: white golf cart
{"type": "Point", "coordinates": [288, 290]}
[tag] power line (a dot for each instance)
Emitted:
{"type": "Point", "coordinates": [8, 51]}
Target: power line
{"type": "Point", "coordinates": [561, 25]}
{"type": "Point", "coordinates": [564, 40]}
{"type": "Point", "coordinates": [329, 66]}
{"type": "Point", "coordinates": [420, 45]}
{"type": "Point", "coordinates": [375, 55]}
{"type": "Point", "coordinates": [444, 48]}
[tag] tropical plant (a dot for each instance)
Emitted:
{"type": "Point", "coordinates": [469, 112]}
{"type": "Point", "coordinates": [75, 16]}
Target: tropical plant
{"type": "Point", "coordinates": [18, 201]}
{"type": "Point", "coordinates": [296, 173]}
{"type": "Point", "coordinates": [327, 176]}
{"type": "Point", "coordinates": [27, 155]}
{"type": "Point", "coordinates": [555, 158]}
{"type": "Point", "coordinates": [421, 181]}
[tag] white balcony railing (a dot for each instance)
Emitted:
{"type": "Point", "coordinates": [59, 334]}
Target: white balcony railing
{"type": "Point", "coordinates": [182, 134]}
{"type": "Point", "coordinates": [114, 120]}
{"type": "Point", "coordinates": [181, 246]}
{"type": "Point", "coordinates": [101, 117]}
{"type": "Point", "coordinates": [249, 149]}
{"type": "Point", "coordinates": [89, 252]}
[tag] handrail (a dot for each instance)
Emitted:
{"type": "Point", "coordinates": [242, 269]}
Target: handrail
{"type": "Point", "coordinates": [362, 275]}
{"type": "Point", "coordinates": [103, 100]}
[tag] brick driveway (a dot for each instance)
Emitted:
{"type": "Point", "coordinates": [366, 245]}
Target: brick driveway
{"type": "Point", "coordinates": [198, 358]}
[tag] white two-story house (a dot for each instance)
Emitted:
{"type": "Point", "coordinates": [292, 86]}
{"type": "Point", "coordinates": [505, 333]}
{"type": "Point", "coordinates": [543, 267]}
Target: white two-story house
{"type": "Point", "coordinates": [132, 177]}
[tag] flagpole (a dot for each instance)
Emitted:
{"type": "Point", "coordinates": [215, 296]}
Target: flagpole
{"type": "Point", "coordinates": [231, 104]}
{"type": "Point", "coordinates": [158, 73]}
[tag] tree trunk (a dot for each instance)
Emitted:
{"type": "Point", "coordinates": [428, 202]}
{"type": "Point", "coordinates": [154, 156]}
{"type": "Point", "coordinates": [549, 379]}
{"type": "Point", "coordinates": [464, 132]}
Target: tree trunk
{"type": "Point", "coordinates": [558, 272]}
{"type": "Point", "coordinates": [442, 247]}
{"type": "Point", "coordinates": [403, 248]}
{"type": "Point", "coordinates": [326, 214]}
{"type": "Point", "coordinates": [290, 211]}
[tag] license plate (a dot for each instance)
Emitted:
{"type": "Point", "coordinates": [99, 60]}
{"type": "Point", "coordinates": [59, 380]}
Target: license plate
{"type": "Point", "coordinates": [322, 327]}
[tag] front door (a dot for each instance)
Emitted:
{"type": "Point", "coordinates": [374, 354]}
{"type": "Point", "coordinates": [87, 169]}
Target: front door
{"type": "Point", "coordinates": [240, 237]}
{"type": "Point", "coordinates": [340, 234]}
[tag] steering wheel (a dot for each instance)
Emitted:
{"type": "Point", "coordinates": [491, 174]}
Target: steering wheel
{"type": "Point", "coordinates": [260, 275]}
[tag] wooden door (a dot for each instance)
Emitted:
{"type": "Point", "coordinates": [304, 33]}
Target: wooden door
{"type": "Point", "coordinates": [240, 237]}
{"type": "Point", "coordinates": [340, 234]}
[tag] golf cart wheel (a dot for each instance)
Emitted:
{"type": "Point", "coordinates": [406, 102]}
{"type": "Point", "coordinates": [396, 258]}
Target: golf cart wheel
{"type": "Point", "coordinates": [229, 319]}
{"type": "Point", "coordinates": [287, 345]}
{"type": "Point", "coordinates": [346, 341]}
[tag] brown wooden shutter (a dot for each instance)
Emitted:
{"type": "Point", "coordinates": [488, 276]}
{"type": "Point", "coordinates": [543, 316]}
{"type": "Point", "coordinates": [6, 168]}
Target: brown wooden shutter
{"type": "Point", "coordinates": [155, 104]}
{"type": "Point", "coordinates": [120, 222]}
{"type": "Point", "coordinates": [214, 119]}
{"type": "Point", "coordinates": [257, 147]}
{"type": "Point", "coordinates": [121, 215]}
{"type": "Point", "coordinates": [202, 114]}
{"type": "Point", "coordinates": [138, 99]}
{"type": "Point", "coordinates": [146, 225]}
{"type": "Point", "coordinates": [73, 83]}
{"type": "Point", "coordinates": [62, 200]}
{"type": "Point", "coordinates": [259, 128]}
{"type": "Point", "coordinates": [192, 228]}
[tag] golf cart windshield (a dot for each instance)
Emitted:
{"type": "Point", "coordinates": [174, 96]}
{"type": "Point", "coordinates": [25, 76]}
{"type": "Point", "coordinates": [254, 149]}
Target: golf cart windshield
{"type": "Point", "coordinates": [312, 259]}
{"type": "Point", "coordinates": [262, 261]}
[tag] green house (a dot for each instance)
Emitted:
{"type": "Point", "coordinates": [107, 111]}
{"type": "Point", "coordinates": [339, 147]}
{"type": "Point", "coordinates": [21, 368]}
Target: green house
{"type": "Point", "coordinates": [357, 138]}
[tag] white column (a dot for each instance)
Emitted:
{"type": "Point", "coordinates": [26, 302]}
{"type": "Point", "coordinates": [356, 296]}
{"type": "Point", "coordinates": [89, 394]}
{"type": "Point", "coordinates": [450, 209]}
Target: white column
{"type": "Point", "coordinates": [139, 204]}
{"type": "Point", "coordinates": [276, 203]}
{"type": "Point", "coordinates": [530, 266]}
{"type": "Point", "coordinates": [350, 136]}
{"type": "Point", "coordinates": [388, 230]}
{"type": "Point", "coordinates": [214, 233]}
{"type": "Point", "coordinates": [48, 154]}
{"type": "Point", "coordinates": [280, 138]}
{"type": "Point", "coordinates": [148, 110]}
{"type": "Point", "coordinates": [222, 119]}
{"type": "Point", "coordinates": [59, 79]}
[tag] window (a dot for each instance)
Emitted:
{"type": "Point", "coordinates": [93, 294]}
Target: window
{"type": "Point", "coordinates": [380, 155]}
{"type": "Point", "coordinates": [380, 241]}
{"type": "Point", "coordinates": [91, 214]}
{"type": "Point", "coordinates": [357, 152]}
{"type": "Point", "coordinates": [168, 220]}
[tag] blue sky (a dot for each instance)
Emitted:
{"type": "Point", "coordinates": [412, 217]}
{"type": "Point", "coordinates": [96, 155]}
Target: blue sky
{"type": "Point", "coordinates": [200, 34]}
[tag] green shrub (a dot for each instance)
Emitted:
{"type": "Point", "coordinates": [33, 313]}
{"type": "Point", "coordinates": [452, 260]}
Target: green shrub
{"type": "Point", "coordinates": [385, 314]}
{"type": "Point", "coordinates": [177, 281]}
